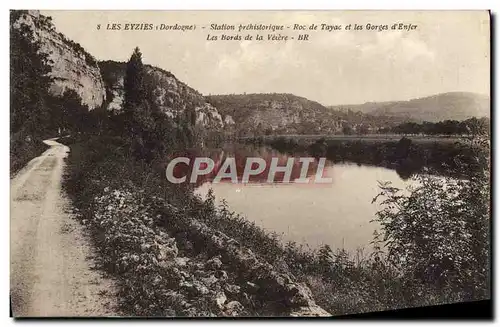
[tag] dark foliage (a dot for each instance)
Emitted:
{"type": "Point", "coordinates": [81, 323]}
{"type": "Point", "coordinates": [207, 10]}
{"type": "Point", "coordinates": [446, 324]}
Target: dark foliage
{"type": "Point", "coordinates": [135, 92]}
{"type": "Point", "coordinates": [30, 113]}
{"type": "Point", "coordinates": [405, 156]}
{"type": "Point", "coordinates": [472, 126]}
{"type": "Point", "coordinates": [29, 81]}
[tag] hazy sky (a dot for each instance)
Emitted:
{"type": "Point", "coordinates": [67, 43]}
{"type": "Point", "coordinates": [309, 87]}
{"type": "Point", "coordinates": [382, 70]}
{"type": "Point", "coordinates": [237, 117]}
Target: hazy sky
{"type": "Point", "coordinates": [449, 51]}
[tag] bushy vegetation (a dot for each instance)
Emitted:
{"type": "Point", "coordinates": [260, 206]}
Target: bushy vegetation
{"type": "Point", "coordinates": [406, 156]}
{"type": "Point", "coordinates": [117, 198]}
{"type": "Point", "coordinates": [29, 81]}
{"type": "Point", "coordinates": [30, 112]}
{"type": "Point", "coordinates": [439, 234]}
{"type": "Point", "coordinates": [35, 113]}
{"type": "Point", "coordinates": [89, 59]}
{"type": "Point", "coordinates": [22, 151]}
{"type": "Point", "coordinates": [471, 126]}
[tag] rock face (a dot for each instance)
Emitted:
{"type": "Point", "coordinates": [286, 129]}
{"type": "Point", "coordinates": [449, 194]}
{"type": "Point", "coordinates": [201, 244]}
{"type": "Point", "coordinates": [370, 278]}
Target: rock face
{"type": "Point", "coordinates": [282, 113]}
{"type": "Point", "coordinates": [173, 97]}
{"type": "Point", "coordinates": [72, 67]}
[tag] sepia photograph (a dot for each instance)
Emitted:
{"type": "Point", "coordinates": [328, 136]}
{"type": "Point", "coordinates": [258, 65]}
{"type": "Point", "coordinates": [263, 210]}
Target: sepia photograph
{"type": "Point", "coordinates": [249, 164]}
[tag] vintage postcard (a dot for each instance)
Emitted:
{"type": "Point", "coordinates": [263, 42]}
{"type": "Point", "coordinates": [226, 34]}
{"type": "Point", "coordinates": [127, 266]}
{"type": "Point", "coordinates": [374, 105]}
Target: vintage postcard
{"type": "Point", "coordinates": [248, 163]}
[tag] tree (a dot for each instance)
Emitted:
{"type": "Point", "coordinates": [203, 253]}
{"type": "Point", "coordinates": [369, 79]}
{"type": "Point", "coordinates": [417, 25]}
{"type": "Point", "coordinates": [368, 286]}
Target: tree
{"type": "Point", "coordinates": [134, 81]}
{"type": "Point", "coordinates": [363, 129]}
{"type": "Point", "coordinates": [73, 115]}
{"type": "Point", "coordinates": [437, 232]}
{"type": "Point", "coordinates": [137, 109]}
{"type": "Point", "coordinates": [29, 80]}
{"type": "Point", "coordinates": [347, 129]}
{"type": "Point", "coordinates": [325, 257]}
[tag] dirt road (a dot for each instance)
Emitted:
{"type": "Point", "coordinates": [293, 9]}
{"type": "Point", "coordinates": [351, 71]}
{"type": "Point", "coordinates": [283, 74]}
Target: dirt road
{"type": "Point", "coordinates": [51, 267]}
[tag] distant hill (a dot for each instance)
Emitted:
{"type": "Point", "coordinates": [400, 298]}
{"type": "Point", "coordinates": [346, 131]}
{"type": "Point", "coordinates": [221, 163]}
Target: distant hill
{"type": "Point", "coordinates": [265, 113]}
{"type": "Point", "coordinates": [287, 113]}
{"type": "Point", "coordinates": [452, 105]}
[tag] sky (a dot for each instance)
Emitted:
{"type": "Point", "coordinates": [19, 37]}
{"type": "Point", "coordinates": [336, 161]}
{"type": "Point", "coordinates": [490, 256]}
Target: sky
{"type": "Point", "coordinates": [449, 51]}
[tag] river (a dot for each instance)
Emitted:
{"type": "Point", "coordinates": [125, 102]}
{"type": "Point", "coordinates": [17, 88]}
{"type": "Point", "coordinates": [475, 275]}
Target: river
{"type": "Point", "coordinates": [336, 213]}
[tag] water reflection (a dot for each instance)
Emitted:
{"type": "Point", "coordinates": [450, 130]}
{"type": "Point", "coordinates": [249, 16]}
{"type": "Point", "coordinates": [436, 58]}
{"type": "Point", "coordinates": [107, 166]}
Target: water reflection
{"type": "Point", "coordinates": [338, 215]}
{"type": "Point", "coordinates": [241, 153]}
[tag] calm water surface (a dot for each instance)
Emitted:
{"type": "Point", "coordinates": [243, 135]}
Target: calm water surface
{"type": "Point", "coordinates": [336, 214]}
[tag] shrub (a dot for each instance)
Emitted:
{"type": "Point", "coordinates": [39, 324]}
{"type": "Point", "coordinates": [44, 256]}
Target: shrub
{"type": "Point", "coordinates": [437, 232]}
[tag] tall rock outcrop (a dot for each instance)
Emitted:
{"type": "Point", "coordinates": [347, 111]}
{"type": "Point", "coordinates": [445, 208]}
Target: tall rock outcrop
{"type": "Point", "coordinates": [72, 67]}
{"type": "Point", "coordinates": [173, 97]}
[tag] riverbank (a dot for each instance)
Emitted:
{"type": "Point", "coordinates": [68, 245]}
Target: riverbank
{"type": "Point", "coordinates": [177, 255]}
{"type": "Point", "coordinates": [407, 155]}
{"type": "Point", "coordinates": [373, 138]}
{"type": "Point", "coordinates": [159, 244]}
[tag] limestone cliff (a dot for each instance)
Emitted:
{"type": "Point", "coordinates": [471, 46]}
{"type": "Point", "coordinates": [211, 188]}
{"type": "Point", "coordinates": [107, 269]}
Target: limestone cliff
{"type": "Point", "coordinates": [170, 95]}
{"type": "Point", "coordinates": [280, 113]}
{"type": "Point", "coordinates": [72, 67]}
